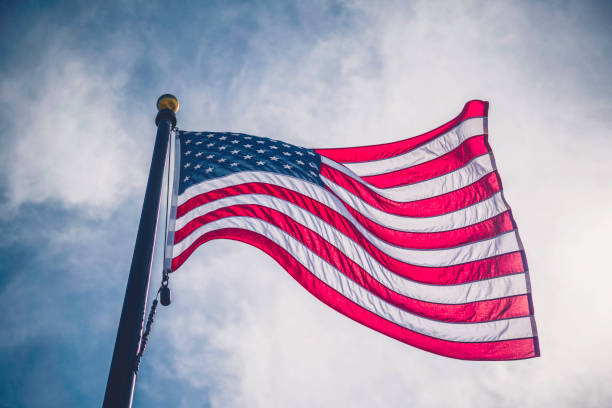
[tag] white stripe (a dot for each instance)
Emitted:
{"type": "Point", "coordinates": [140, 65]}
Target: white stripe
{"type": "Point", "coordinates": [464, 176]}
{"type": "Point", "coordinates": [446, 294]}
{"type": "Point", "coordinates": [471, 332]}
{"type": "Point", "coordinates": [428, 151]}
{"type": "Point", "coordinates": [501, 244]}
{"type": "Point", "coordinates": [294, 183]}
{"type": "Point", "coordinates": [473, 214]}
{"type": "Point", "coordinates": [462, 218]}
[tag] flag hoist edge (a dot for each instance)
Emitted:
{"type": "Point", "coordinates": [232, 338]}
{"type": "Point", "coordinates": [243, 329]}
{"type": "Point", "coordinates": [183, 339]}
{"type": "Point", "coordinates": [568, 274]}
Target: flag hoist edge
{"type": "Point", "coordinates": [413, 238]}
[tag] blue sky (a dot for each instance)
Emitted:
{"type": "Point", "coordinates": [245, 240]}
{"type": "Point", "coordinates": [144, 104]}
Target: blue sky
{"type": "Point", "coordinates": [78, 88]}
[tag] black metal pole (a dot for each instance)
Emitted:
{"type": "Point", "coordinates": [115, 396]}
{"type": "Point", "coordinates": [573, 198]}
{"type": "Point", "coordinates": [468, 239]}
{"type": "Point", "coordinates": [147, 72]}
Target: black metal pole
{"type": "Point", "coordinates": [122, 374]}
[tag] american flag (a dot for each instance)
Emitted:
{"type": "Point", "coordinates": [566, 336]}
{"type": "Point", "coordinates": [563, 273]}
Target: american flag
{"type": "Point", "coordinates": [413, 239]}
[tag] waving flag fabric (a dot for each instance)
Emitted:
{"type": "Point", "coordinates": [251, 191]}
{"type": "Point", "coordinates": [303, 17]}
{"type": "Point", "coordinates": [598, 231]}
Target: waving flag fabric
{"type": "Point", "coordinates": [413, 239]}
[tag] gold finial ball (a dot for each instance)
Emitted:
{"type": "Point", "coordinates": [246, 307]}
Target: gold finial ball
{"type": "Point", "coordinates": [168, 101]}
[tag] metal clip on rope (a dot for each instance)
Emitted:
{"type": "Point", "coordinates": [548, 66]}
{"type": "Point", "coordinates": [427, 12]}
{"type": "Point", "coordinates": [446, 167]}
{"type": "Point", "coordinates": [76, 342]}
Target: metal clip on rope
{"type": "Point", "coordinates": [165, 295]}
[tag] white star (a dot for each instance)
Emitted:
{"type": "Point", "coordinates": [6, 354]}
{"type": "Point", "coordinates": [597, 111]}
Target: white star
{"type": "Point", "coordinates": [286, 145]}
{"type": "Point", "coordinates": [300, 162]}
{"type": "Point", "coordinates": [312, 165]}
{"type": "Point", "coordinates": [261, 151]}
{"type": "Point", "coordinates": [274, 158]}
{"type": "Point", "coordinates": [188, 152]}
{"type": "Point", "coordinates": [198, 133]}
{"type": "Point", "coordinates": [210, 145]}
{"type": "Point", "coordinates": [185, 179]}
{"type": "Point", "coordinates": [210, 135]}
{"type": "Point", "coordinates": [274, 147]}
{"type": "Point", "coordinates": [235, 141]}
{"type": "Point", "coordinates": [248, 137]}
{"type": "Point", "coordinates": [260, 141]}
{"type": "Point", "coordinates": [313, 173]}
{"type": "Point", "coordinates": [221, 160]}
{"type": "Point", "coordinates": [197, 166]}
{"type": "Point", "coordinates": [260, 163]}
{"type": "Point", "coordinates": [311, 153]}
{"type": "Point", "coordinates": [210, 169]}
{"type": "Point", "coordinates": [299, 153]}
{"type": "Point", "coordinates": [248, 145]}
{"type": "Point", "coordinates": [287, 153]}
{"type": "Point", "coordinates": [199, 142]}
{"type": "Point", "coordinates": [210, 156]}
{"type": "Point", "coordinates": [234, 151]}
{"type": "Point", "coordinates": [286, 166]}
{"type": "Point", "coordinates": [248, 156]}
{"type": "Point", "coordinates": [234, 164]}
{"type": "Point", "coordinates": [187, 165]}
{"type": "Point", "coordinates": [223, 138]}
{"type": "Point", "coordinates": [198, 154]}
{"type": "Point", "coordinates": [223, 148]}
{"type": "Point", "coordinates": [187, 141]}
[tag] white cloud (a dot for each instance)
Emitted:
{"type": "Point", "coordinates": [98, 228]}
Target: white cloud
{"type": "Point", "coordinates": [240, 328]}
{"type": "Point", "coordinates": [402, 71]}
{"type": "Point", "coordinates": [71, 141]}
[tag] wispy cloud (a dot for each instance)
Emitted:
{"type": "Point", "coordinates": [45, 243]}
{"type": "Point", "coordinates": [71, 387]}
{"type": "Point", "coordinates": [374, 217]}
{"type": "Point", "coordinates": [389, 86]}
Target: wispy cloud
{"type": "Point", "coordinates": [241, 332]}
{"type": "Point", "coordinates": [71, 142]}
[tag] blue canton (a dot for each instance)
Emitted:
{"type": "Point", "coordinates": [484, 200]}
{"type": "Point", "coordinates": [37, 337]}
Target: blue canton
{"type": "Point", "coordinates": [208, 155]}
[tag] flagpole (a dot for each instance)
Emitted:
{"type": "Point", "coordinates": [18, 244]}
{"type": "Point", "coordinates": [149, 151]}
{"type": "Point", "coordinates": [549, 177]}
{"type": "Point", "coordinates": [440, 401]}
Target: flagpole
{"type": "Point", "coordinates": [122, 374]}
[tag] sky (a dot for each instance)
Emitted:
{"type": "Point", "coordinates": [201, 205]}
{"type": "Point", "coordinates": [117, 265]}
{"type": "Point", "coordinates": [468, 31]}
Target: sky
{"type": "Point", "coordinates": [78, 87]}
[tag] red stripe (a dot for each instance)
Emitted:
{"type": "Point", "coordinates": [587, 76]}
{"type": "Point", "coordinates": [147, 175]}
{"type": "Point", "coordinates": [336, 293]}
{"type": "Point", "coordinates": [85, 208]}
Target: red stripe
{"type": "Point", "coordinates": [435, 240]}
{"type": "Point", "coordinates": [428, 207]}
{"type": "Point", "coordinates": [453, 160]}
{"type": "Point", "coordinates": [453, 274]}
{"type": "Point", "coordinates": [382, 151]}
{"type": "Point", "coordinates": [415, 240]}
{"type": "Point", "coordinates": [408, 271]}
{"type": "Point", "coordinates": [471, 312]}
{"type": "Point", "coordinates": [500, 350]}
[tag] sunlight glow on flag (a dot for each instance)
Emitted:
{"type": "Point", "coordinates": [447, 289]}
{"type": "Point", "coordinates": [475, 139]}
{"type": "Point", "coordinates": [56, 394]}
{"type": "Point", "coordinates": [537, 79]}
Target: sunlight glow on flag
{"type": "Point", "coordinates": [413, 239]}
